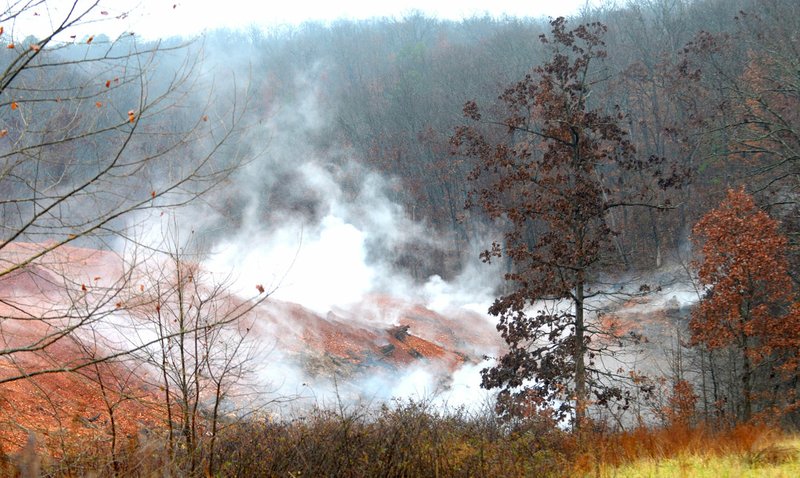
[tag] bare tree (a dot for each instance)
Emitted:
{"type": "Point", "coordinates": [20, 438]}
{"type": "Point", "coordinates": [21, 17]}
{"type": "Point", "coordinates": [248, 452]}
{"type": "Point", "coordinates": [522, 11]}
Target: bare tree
{"type": "Point", "coordinates": [94, 136]}
{"type": "Point", "coordinates": [198, 349]}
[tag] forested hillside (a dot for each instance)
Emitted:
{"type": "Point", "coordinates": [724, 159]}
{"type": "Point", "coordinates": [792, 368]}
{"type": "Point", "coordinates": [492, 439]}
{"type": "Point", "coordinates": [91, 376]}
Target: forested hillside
{"type": "Point", "coordinates": [703, 94]}
{"type": "Point", "coordinates": [690, 78]}
{"type": "Point", "coordinates": [189, 225]}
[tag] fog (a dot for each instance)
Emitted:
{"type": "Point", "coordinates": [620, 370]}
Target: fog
{"type": "Point", "coordinates": [343, 200]}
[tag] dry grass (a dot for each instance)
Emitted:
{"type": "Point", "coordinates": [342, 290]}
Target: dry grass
{"type": "Point", "coordinates": [412, 439]}
{"type": "Point", "coordinates": [786, 465]}
{"type": "Point", "coordinates": [744, 451]}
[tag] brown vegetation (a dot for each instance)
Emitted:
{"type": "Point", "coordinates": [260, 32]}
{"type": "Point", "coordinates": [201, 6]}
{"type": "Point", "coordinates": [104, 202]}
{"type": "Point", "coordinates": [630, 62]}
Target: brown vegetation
{"type": "Point", "coordinates": [413, 439]}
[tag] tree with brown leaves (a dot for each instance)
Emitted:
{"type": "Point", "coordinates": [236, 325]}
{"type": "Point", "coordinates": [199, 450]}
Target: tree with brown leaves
{"type": "Point", "coordinates": [554, 173]}
{"type": "Point", "coordinates": [748, 299]}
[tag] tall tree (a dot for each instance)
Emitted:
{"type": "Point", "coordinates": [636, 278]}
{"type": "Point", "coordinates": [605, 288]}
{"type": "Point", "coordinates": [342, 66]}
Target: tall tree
{"type": "Point", "coordinates": [747, 305]}
{"type": "Point", "coordinates": [554, 173]}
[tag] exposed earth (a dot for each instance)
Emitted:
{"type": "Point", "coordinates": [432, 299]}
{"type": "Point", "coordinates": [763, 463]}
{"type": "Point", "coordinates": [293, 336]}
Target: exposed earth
{"type": "Point", "coordinates": [380, 335]}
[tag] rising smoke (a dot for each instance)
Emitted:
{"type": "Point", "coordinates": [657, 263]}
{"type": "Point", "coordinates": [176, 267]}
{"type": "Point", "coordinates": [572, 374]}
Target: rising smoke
{"type": "Point", "coordinates": [318, 229]}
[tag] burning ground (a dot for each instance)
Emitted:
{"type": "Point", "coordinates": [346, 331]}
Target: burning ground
{"type": "Point", "coordinates": [366, 349]}
{"type": "Point", "coordinates": [378, 348]}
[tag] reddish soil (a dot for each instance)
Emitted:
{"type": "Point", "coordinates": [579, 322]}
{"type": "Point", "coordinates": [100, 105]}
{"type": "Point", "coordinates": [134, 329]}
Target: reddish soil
{"type": "Point", "coordinates": [48, 295]}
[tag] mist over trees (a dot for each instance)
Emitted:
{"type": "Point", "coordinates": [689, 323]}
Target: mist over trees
{"type": "Point", "coordinates": [95, 137]}
{"type": "Point", "coordinates": [393, 91]}
{"type": "Point", "coordinates": [703, 91]}
{"type": "Point", "coordinates": [590, 159]}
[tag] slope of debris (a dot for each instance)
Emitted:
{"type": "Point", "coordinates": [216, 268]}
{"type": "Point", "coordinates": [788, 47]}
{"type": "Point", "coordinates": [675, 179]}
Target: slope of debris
{"type": "Point", "coordinates": [381, 334]}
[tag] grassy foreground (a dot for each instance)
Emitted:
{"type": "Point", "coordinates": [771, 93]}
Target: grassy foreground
{"type": "Point", "coordinates": [778, 459]}
{"type": "Point", "coordinates": [417, 440]}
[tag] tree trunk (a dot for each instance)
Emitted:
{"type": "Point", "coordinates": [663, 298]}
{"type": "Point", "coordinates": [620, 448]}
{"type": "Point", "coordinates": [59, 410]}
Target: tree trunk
{"type": "Point", "coordinates": [579, 353]}
{"type": "Point", "coordinates": [747, 366]}
{"type": "Point", "coordinates": [713, 369]}
{"type": "Point", "coordinates": [747, 373]}
{"type": "Point", "coordinates": [705, 389]}
{"type": "Point", "coordinates": [656, 237]}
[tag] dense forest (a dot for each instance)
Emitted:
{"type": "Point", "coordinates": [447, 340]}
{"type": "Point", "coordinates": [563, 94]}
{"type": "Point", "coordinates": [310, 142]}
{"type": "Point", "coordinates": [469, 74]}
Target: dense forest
{"type": "Point", "coordinates": [573, 166]}
{"type": "Point", "coordinates": [701, 94]}
{"type": "Point", "coordinates": [391, 94]}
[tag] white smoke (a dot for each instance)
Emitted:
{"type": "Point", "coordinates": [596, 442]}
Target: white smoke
{"type": "Point", "coordinates": [313, 241]}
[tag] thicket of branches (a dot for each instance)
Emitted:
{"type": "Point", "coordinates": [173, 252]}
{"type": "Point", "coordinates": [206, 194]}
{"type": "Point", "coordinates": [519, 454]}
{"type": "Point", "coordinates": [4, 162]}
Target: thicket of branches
{"type": "Point", "coordinates": [98, 138]}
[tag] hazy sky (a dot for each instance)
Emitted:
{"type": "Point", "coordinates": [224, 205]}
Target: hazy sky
{"type": "Point", "coordinates": [195, 15]}
{"type": "Point", "coordinates": [163, 18]}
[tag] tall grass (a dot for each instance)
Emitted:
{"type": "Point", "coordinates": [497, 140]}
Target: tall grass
{"type": "Point", "coordinates": [415, 439]}
{"type": "Point", "coordinates": [678, 451]}
{"type": "Point", "coordinates": [778, 460]}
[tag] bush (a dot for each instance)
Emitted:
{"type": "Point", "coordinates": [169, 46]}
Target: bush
{"type": "Point", "coordinates": [407, 439]}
